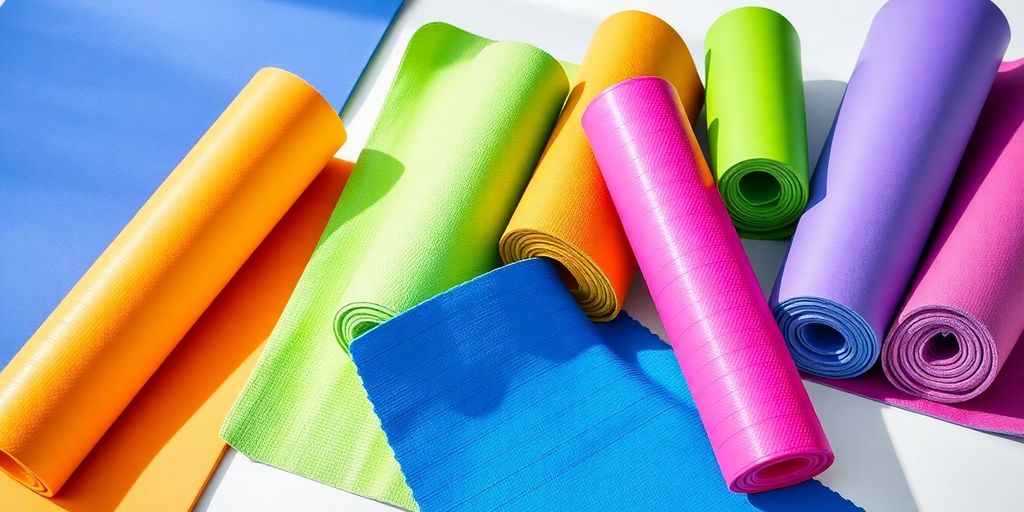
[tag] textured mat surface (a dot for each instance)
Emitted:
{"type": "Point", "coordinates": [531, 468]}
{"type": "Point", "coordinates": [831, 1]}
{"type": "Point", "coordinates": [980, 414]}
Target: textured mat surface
{"type": "Point", "coordinates": [758, 416]}
{"type": "Point", "coordinates": [521, 398]}
{"type": "Point", "coordinates": [962, 317]}
{"type": "Point", "coordinates": [460, 131]}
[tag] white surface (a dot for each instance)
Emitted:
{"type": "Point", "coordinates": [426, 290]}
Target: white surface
{"type": "Point", "coordinates": [886, 459]}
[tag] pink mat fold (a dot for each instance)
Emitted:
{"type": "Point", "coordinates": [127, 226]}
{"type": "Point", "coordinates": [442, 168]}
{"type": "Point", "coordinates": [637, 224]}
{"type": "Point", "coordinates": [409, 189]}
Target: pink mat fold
{"type": "Point", "coordinates": [954, 337]}
{"type": "Point", "coordinates": [758, 417]}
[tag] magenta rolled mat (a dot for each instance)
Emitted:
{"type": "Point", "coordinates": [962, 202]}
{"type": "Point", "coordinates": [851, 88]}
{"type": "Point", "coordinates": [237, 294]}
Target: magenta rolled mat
{"type": "Point", "coordinates": [758, 417]}
{"type": "Point", "coordinates": [965, 311]}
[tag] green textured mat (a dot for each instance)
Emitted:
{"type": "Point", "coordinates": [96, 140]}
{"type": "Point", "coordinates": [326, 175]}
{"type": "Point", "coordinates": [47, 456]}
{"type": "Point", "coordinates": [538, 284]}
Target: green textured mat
{"type": "Point", "coordinates": [452, 150]}
{"type": "Point", "coordinates": [757, 131]}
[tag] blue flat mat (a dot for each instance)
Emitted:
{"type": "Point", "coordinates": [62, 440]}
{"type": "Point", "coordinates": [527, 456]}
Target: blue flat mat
{"type": "Point", "coordinates": [100, 99]}
{"type": "Point", "coordinates": [501, 395]}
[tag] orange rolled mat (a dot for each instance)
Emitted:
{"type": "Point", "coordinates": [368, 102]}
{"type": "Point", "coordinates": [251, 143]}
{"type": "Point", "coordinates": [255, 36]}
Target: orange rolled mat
{"type": "Point", "coordinates": [566, 213]}
{"type": "Point", "coordinates": [163, 448]}
{"type": "Point", "coordinates": [76, 375]}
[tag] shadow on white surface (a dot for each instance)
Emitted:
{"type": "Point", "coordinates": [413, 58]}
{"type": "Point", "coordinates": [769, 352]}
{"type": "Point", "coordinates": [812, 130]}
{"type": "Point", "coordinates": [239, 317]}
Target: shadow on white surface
{"type": "Point", "coordinates": [867, 463]}
{"type": "Point", "coordinates": [821, 101]}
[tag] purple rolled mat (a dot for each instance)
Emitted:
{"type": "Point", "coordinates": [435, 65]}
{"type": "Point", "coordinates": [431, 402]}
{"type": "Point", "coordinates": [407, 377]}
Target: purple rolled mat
{"type": "Point", "coordinates": [909, 109]}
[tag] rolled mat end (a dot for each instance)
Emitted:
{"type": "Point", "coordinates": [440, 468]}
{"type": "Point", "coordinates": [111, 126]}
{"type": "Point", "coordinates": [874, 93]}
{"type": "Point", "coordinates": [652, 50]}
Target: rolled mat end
{"type": "Point", "coordinates": [764, 198]}
{"type": "Point", "coordinates": [358, 318]}
{"type": "Point", "coordinates": [826, 338]}
{"type": "Point", "coordinates": [592, 289]}
{"type": "Point", "coordinates": [20, 472]}
{"type": "Point", "coordinates": [942, 354]}
{"type": "Point", "coordinates": [782, 471]}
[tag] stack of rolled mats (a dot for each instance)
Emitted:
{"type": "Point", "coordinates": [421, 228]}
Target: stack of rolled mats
{"type": "Point", "coordinates": [457, 339]}
{"type": "Point", "coordinates": [903, 278]}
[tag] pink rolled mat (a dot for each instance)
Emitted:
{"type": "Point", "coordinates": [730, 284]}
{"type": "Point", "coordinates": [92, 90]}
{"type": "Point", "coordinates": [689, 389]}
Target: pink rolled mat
{"type": "Point", "coordinates": [956, 334]}
{"type": "Point", "coordinates": [965, 310]}
{"type": "Point", "coordinates": [758, 417]}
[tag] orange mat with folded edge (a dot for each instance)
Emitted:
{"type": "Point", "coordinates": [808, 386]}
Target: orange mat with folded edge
{"type": "Point", "coordinates": [77, 374]}
{"type": "Point", "coordinates": [162, 449]}
{"type": "Point", "coordinates": [566, 213]}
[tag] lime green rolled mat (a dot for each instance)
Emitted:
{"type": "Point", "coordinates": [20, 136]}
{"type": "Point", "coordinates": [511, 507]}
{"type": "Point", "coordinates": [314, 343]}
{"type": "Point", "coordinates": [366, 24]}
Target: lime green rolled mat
{"type": "Point", "coordinates": [459, 134]}
{"type": "Point", "coordinates": [757, 131]}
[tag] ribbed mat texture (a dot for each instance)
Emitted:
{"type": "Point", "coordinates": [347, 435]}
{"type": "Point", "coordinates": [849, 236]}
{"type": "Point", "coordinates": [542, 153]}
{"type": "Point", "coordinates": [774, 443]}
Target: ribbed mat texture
{"type": "Point", "coordinates": [758, 417]}
{"type": "Point", "coordinates": [523, 404]}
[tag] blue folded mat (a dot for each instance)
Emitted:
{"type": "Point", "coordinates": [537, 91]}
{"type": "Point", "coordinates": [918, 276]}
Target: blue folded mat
{"type": "Point", "coordinates": [500, 394]}
{"type": "Point", "coordinates": [99, 100]}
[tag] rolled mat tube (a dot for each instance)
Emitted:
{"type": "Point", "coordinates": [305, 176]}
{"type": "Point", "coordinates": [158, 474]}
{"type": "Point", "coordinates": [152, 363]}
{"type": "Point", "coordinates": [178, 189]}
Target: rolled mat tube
{"type": "Point", "coordinates": [757, 130]}
{"type": "Point", "coordinates": [902, 127]}
{"type": "Point", "coordinates": [78, 372]}
{"type": "Point", "coordinates": [962, 317]}
{"type": "Point", "coordinates": [758, 417]}
{"type": "Point", "coordinates": [457, 183]}
{"type": "Point", "coordinates": [565, 213]}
